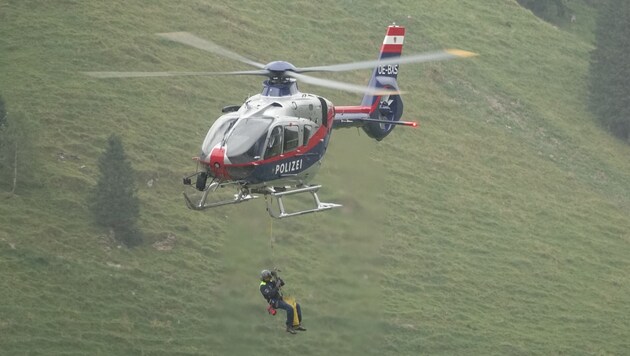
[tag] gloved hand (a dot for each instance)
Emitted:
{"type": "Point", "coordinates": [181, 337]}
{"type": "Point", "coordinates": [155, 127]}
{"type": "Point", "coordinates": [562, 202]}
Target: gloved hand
{"type": "Point", "coordinates": [279, 282]}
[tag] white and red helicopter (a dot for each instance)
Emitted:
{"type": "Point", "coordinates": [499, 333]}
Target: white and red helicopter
{"type": "Point", "coordinates": [273, 144]}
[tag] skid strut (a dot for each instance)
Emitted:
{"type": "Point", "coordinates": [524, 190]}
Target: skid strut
{"type": "Point", "coordinates": [281, 213]}
{"type": "Point", "coordinates": [240, 196]}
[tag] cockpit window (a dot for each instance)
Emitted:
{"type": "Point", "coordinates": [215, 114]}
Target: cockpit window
{"type": "Point", "coordinates": [274, 146]}
{"type": "Point", "coordinates": [217, 132]}
{"type": "Point", "coordinates": [246, 141]}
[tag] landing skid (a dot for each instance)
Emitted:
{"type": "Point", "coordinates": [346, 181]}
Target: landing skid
{"type": "Point", "coordinates": [281, 212]}
{"type": "Point", "coordinates": [242, 195]}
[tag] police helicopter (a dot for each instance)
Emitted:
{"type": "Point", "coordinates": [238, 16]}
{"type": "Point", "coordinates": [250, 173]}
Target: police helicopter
{"type": "Point", "coordinates": [273, 144]}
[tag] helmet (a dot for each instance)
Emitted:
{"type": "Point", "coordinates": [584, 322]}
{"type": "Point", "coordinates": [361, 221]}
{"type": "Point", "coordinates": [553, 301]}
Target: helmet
{"type": "Point", "coordinates": [265, 274]}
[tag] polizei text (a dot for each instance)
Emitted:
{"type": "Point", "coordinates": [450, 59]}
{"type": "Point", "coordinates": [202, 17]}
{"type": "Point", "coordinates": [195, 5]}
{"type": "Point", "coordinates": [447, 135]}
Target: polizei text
{"type": "Point", "coordinates": [288, 167]}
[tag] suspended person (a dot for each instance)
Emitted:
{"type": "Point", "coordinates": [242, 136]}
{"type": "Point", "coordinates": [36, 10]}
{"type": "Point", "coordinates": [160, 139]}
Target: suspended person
{"type": "Point", "coordinates": [270, 288]}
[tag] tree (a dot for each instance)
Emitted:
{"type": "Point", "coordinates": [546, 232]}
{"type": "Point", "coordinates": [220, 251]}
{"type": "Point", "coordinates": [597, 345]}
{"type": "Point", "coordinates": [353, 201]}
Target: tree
{"type": "Point", "coordinates": [6, 147]}
{"type": "Point", "coordinates": [15, 149]}
{"type": "Point", "coordinates": [114, 202]}
{"type": "Point", "coordinates": [3, 114]}
{"type": "Point", "coordinates": [609, 72]}
{"type": "Point", "coordinates": [541, 7]}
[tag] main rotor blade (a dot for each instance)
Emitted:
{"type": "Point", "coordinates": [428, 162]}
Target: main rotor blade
{"type": "Point", "coordinates": [327, 83]}
{"type": "Point", "coordinates": [194, 41]}
{"type": "Point", "coordinates": [102, 75]}
{"type": "Point", "coordinates": [414, 58]}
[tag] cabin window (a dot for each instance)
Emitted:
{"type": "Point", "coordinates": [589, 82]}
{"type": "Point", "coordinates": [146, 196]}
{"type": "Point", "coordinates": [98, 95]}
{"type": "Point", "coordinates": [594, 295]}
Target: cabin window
{"type": "Point", "coordinates": [291, 138]}
{"type": "Point", "coordinates": [308, 130]}
{"type": "Point", "coordinates": [274, 145]}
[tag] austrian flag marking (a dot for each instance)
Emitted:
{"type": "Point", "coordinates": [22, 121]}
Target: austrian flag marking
{"type": "Point", "coordinates": [394, 40]}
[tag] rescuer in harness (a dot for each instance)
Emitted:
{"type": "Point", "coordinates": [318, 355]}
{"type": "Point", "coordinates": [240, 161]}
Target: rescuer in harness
{"type": "Point", "coordinates": [270, 288]}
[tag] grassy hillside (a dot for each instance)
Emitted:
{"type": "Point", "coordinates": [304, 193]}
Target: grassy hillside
{"type": "Point", "coordinates": [498, 227]}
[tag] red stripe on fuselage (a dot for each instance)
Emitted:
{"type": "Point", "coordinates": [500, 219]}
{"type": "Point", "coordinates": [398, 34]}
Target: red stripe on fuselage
{"type": "Point", "coordinates": [359, 109]}
{"type": "Point", "coordinates": [353, 109]}
{"type": "Point", "coordinates": [377, 100]}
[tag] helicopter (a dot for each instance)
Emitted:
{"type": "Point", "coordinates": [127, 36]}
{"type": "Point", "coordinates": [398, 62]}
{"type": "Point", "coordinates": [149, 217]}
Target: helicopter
{"type": "Point", "coordinates": [274, 142]}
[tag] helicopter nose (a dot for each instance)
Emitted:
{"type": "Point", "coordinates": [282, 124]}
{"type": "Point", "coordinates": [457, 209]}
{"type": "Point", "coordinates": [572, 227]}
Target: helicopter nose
{"type": "Point", "coordinates": [217, 163]}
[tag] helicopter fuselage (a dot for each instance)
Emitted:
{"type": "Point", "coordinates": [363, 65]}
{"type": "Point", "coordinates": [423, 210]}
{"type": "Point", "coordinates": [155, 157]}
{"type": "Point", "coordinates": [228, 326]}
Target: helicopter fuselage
{"type": "Point", "coordinates": [270, 140]}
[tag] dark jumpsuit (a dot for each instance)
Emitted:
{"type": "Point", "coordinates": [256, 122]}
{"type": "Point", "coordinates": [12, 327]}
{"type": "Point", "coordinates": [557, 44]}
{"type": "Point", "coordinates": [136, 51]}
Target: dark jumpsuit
{"type": "Point", "coordinates": [272, 294]}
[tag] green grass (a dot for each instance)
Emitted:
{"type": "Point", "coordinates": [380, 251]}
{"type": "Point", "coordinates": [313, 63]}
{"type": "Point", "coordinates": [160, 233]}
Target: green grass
{"type": "Point", "coordinates": [498, 227]}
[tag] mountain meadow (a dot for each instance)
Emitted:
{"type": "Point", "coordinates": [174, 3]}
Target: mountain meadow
{"type": "Point", "coordinates": [499, 226]}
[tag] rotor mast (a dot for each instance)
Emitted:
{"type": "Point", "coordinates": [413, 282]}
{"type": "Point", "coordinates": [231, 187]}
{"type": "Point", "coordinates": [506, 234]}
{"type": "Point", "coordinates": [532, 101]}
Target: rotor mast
{"type": "Point", "coordinates": [279, 83]}
{"type": "Point", "coordinates": [279, 86]}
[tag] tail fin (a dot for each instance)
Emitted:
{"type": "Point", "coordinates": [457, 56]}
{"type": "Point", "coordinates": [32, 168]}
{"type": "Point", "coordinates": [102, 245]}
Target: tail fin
{"type": "Point", "coordinates": [385, 76]}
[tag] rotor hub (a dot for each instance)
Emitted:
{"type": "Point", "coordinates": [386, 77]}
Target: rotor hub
{"type": "Point", "coordinates": [279, 67]}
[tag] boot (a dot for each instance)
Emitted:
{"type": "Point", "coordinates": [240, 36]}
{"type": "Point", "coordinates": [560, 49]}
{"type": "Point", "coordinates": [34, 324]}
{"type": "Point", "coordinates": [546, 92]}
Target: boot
{"type": "Point", "coordinates": [300, 327]}
{"type": "Point", "coordinates": [290, 330]}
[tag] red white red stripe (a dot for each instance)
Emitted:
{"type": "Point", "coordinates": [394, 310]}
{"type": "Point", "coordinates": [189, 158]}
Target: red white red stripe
{"type": "Point", "coordinates": [394, 39]}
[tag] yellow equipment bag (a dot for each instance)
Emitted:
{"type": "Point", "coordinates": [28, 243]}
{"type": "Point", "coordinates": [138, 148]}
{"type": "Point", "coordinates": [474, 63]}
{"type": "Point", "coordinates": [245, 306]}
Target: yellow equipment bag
{"type": "Point", "coordinates": [291, 301]}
